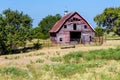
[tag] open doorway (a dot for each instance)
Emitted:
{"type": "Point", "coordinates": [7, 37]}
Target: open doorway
{"type": "Point", "coordinates": [75, 36]}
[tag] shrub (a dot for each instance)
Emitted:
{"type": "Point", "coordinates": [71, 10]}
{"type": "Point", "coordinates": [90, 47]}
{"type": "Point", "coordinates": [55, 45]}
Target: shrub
{"type": "Point", "coordinates": [37, 46]}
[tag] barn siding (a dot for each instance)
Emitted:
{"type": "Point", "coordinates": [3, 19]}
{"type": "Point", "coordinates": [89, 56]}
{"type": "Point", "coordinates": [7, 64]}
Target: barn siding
{"type": "Point", "coordinates": [85, 36]}
{"type": "Point", "coordinates": [53, 37]}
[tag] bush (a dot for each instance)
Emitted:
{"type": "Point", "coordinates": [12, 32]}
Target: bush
{"type": "Point", "coordinates": [37, 46]}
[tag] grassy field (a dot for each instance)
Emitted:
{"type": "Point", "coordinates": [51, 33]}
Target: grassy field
{"type": "Point", "coordinates": [84, 62]}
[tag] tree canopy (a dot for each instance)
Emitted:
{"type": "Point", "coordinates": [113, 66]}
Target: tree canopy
{"type": "Point", "coordinates": [15, 29]}
{"type": "Point", "coordinates": [110, 19]}
{"type": "Point", "coordinates": [42, 31]}
{"type": "Point", "coordinates": [99, 31]}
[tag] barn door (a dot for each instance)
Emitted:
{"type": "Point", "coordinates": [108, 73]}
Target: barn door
{"type": "Point", "coordinates": [86, 39]}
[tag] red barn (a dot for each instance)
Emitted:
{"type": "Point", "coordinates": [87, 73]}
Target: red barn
{"type": "Point", "coordinates": [72, 29]}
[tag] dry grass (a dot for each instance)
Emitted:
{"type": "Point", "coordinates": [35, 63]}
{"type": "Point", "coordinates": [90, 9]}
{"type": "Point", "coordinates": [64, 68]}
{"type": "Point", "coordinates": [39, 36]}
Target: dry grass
{"type": "Point", "coordinates": [48, 52]}
{"type": "Point", "coordinates": [32, 60]}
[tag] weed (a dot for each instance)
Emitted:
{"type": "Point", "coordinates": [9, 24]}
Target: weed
{"type": "Point", "coordinates": [105, 76]}
{"type": "Point", "coordinates": [31, 62]}
{"type": "Point", "coordinates": [112, 68]}
{"type": "Point", "coordinates": [47, 57]}
{"type": "Point", "coordinates": [58, 53]}
{"type": "Point", "coordinates": [38, 54]}
{"type": "Point", "coordinates": [65, 70]}
{"type": "Point", "coordinates": [28, 65]}
{"type": "Point", "coordinates": [39, 61]}
{"type": "Point", "coordinates": [73, 57]}
{"type": "Point", "coordinates": [6, 57]}
{"type": "Point", "coordinates": [29, 55]}
{"type": "Point", "coordinates": [46, 67]}
{"type": "Point", "coordinates": [16, 57]}
{"type": "Point", "coordinates": [56, 59]}
{"type": "Point", "coordinates": [14, 72]}
{"type": "Point", "coordinates": [109, 54]}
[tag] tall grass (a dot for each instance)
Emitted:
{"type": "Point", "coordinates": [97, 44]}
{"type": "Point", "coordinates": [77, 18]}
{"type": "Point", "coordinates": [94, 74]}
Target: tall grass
{"type": "Point", "coordinates": [109, 54]}
{"type": "Point", "coordinates": [39, 61]}
{"type": "Point", "coordinates": [66, 70]}
{"type": "Point", "coordinates": [14, 72]}
{"type": "Point", "coordinates": [73, 57]}
{"type": "Point", "coordinates": [82, 64]}
{"type": "Point", "coordinates": [56, 59]}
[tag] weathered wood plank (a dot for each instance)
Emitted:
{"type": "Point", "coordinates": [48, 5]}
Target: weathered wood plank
{"type": "Point", "coordinates": [67, 47]}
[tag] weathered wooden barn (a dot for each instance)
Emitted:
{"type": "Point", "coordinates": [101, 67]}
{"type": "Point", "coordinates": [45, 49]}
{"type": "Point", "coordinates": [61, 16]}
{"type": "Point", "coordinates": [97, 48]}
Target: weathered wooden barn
{"type": "Point", "coordinates": [72, 29]}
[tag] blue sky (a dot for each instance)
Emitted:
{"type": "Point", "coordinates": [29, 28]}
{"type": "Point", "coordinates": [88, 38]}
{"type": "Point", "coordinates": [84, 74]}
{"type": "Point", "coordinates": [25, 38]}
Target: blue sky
{"type": "Point", "coordinates": [39, 9]}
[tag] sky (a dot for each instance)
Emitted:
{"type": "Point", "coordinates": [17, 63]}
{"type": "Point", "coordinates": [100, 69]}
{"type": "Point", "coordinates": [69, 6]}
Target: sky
{"type": "Point", "coordinates": [39, 9]}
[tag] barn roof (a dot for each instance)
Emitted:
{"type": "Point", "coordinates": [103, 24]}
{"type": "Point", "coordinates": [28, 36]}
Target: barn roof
{"type": "Point", "coordinates": [59, 23]}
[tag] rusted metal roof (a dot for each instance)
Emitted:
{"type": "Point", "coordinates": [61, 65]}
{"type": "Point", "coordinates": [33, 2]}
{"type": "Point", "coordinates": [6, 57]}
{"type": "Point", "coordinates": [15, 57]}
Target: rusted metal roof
{"type": "Point", "coordinates": [59, 23]}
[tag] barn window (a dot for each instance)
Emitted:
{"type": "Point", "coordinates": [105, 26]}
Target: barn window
{"type": "Point", "coordinates": [71, 20]}
{"type": "Point", "coordinates": [85, 27]}
{"type": "Point", "coordinates": [65, 26]}
{"type": "Point", "coordinates": [60, 39]}
{"type": "Point", "coordinates": [90, 38]}
{"type": "Point", "coordinates": [74, 19]}
{"type": "Point", "coordinates": [74, 27]}
{"type": "Point", "coordinates": [78, 19]}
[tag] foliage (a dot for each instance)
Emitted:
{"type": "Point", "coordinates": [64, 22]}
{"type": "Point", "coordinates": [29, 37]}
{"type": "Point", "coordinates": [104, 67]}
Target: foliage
{"type": "Point", "coordinates": [99, 31]}
{"type": "Point", "coordinates": [42, 31]}
{"type": "Point", "coordinates": [110, 18]}
{"type": "Point", "coordinates": [15, 29]}
{"type": "Point", "coordinates": [37, 46]}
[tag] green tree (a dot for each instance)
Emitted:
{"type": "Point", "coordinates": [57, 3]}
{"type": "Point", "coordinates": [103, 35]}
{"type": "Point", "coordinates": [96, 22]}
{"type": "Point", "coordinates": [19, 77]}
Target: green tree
{"type": "Point", "coordinates": [110, 19]}
{"type": "Point", "coordinates": [2, 35]}
{"type": "Point", "coordinates": [15, 29]}
{"type": "Point", "coordinates": [42, 31]}
{"type": "Point", "coordinates": [99, 31]}
{"type": "Point", "coordinates": [37, 33]}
